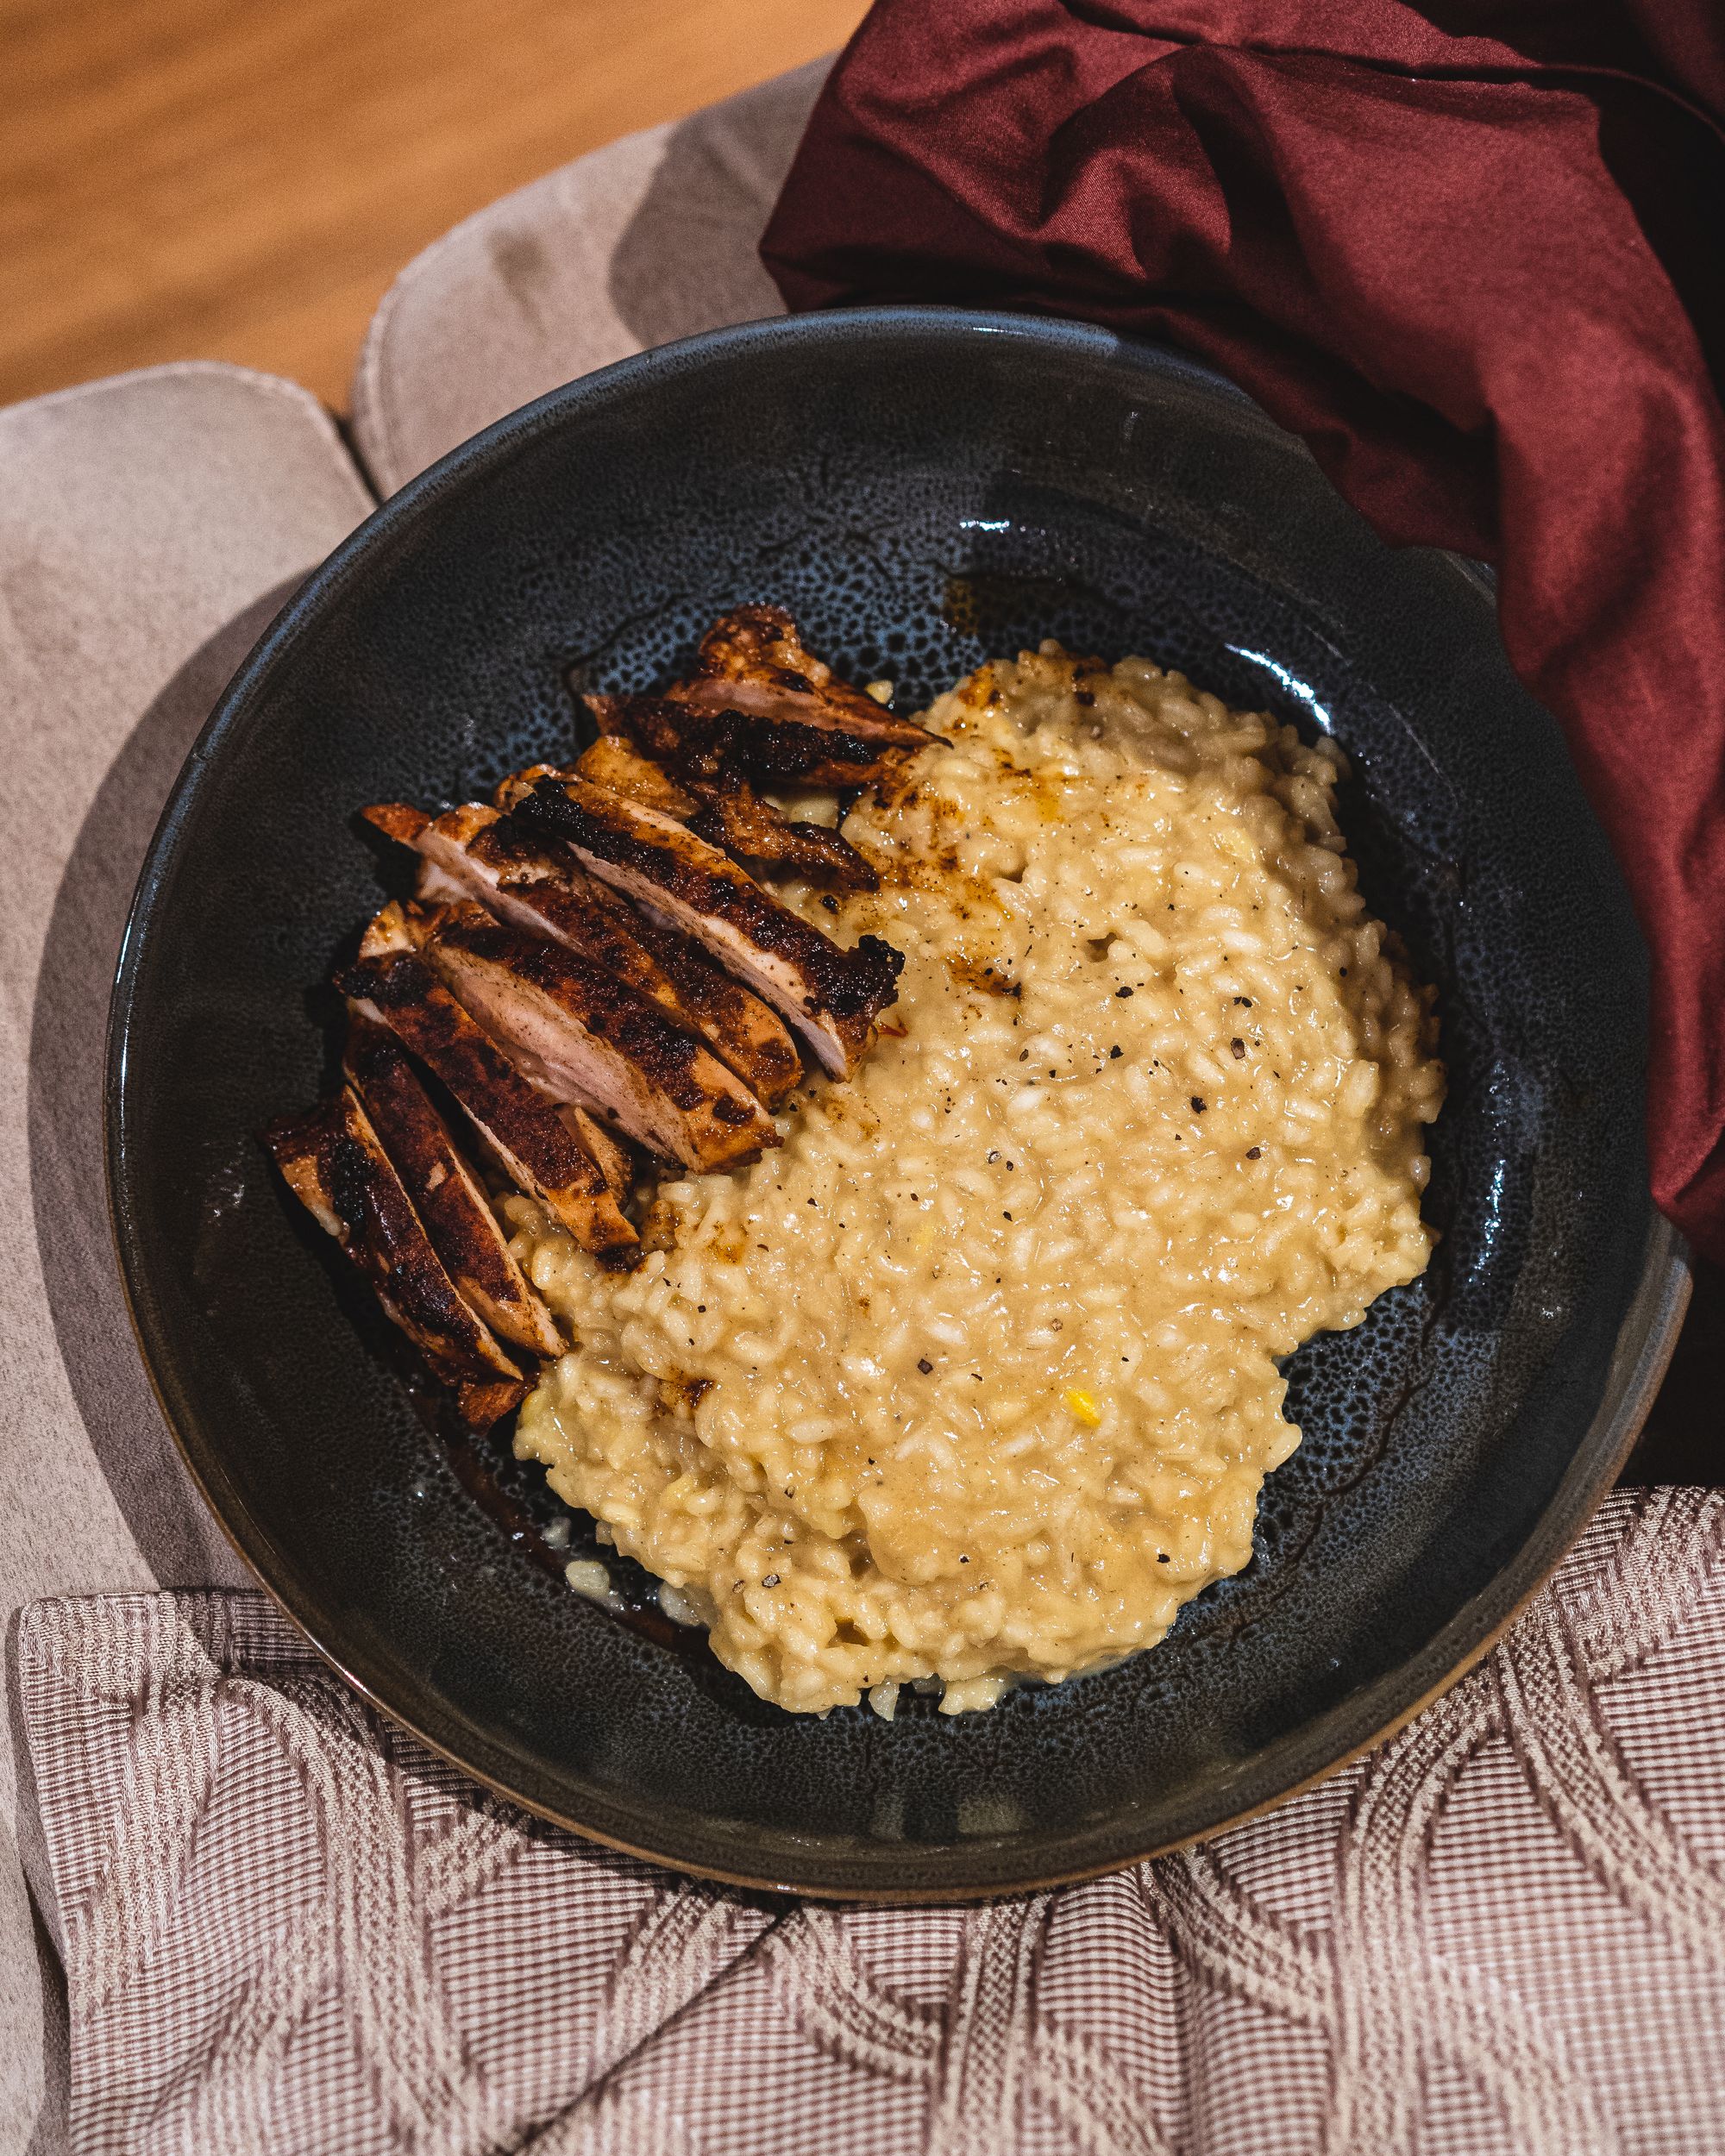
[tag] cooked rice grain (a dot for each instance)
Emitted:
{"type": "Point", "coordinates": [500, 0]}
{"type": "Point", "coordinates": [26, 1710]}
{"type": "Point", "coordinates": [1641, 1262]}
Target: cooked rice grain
{"type": "Point", "coordinates": [976, 1377]}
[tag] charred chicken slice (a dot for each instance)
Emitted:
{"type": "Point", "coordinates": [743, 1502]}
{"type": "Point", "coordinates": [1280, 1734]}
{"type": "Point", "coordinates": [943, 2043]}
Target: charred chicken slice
{"type": "Point", "coordinates": [534, 883]}
{"type": "Point", "coordinates": [615, 1161]}
{"type": "Point", "coordinates": [335, 1165]}
{"type": "Point", "coordinates": [753, 660]}
{"type": "Point", "coordinates": [733, 817]}
{"type": "Point", "coordinates": [833, 996]}
{"type": "Point", "coordinates": [699, 741]}
{"type": "Point", "coordinates": [392, 986]}
{"type": "Point", "coordinates": [741, 1029]}
{"type": "Point", "coordinates": [727, 811]}
{"type": "Point", "coordinates": [577, 1031]}
{"type": "Point", "coordinates": [614, 762]}
{"type": "Point", "coordinates": [445, 1193]}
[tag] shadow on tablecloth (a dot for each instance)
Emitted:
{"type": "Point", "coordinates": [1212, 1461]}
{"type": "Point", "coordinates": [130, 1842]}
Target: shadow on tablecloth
{"type": "Point", "coordinates": [180, 1541]}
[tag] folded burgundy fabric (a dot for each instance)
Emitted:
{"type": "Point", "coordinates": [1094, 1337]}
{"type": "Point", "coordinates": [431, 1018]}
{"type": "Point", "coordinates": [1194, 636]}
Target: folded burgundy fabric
{"type": "Point", "coordinates": [1474, 251]}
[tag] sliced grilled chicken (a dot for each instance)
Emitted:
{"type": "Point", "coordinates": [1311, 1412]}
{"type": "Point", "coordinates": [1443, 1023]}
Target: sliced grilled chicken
{"type": "Point", "coordinates": [741, 1029]}
{"type": "Point", "coordinates": [832, 996]}
{"type": "Point", "coordinates": [700, 741]}
{"type": "Point", "coordinates": [335, 1165]}
{"type": "Point", "coordinates": [753, 660]}
{"type": "Point", "coordinates": [733, 817]}
{"type": "Point", "coordinates": [392, 929]}
{"type": "Point", "coordinates": [436, 886]}
{"type": "Point", "coordinates": [614, 1157]}
{"type": "Point", "coordinates": [509, 792]}
{"type": "Point", "coordinates": [392, 986]}
{"type": "Point", "coordinates": [576, 1030]}
{"type": "Point", "coordinates": [446, 1194]}
{"type": "Point", "coordinates": [612, 761]}
{"type": "Point", "coordinates": [722, 806]}
{"type": "Point", "coordinates": [535, 884]}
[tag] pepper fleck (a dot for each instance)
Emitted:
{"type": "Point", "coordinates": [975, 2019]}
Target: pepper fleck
{"type": "Point", "coordinates": [1114, 1054]}
{"type": "Point", "coordinates": [923, 1365]}
{"type": "Point", "coordinates": [1198, 1104]}
{"type": "Point", "coordinates": [1254, 1152]}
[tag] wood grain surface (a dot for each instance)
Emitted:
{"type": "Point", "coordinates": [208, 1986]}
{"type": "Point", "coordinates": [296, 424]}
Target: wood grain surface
{"type": "Point", "coordinates": [241, 179]}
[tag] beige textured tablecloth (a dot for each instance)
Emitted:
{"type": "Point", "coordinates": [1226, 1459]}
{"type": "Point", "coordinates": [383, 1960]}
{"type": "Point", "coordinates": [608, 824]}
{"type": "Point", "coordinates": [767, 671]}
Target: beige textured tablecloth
{"type": "Point", "coordinates": [285, 1928]}
{"type": "Point", "coordinates": [149, 529]}
{"type": "Point", "coordinates": [649, 240]}
{"type": "Point", "coordinates": [290, 1928]}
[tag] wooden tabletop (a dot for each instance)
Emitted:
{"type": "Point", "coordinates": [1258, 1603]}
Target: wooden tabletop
{"type": "Point", "coordinates": [241, 179]}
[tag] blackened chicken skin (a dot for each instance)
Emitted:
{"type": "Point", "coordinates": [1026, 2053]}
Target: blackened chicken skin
{"type": "Point", "coordinates": [753, 660]}
{"type": "Point", "coordinates": [832, 996]}
{"type": "Point", "coordinates": [445, 1192]}
{"type": "Point", "coordinates": [724, 809]}
{"type": "Point", "coordinates": [334, 1164]}
{"type": "Point", "coordinates": [741, 1031]}
{"type": "Point", "coordinates": [392, 986]}
{"type": "Point", "coordinates": [584, 1037]}
{"type": "Point", "coordinates": [733, 817]}
{"type": "Point", "coordinates": [698, 743]}
{"type": "Point", "coordinates": [535, 884]}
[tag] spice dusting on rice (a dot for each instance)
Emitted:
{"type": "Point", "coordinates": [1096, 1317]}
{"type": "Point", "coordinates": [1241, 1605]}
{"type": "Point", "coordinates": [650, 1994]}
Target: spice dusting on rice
{"type": "Point", "coordinates": [975, 1375]}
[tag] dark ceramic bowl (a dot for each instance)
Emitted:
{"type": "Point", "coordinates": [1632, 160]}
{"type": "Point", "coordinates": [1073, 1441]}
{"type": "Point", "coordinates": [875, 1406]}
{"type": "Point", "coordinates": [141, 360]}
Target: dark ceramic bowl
{"type": "Point", "coordinates": [922, 489]}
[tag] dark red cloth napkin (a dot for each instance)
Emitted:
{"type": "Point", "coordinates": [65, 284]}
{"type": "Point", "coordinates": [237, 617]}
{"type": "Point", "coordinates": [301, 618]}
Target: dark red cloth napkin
{"type": "Point", "coordinates": [1475, 254]}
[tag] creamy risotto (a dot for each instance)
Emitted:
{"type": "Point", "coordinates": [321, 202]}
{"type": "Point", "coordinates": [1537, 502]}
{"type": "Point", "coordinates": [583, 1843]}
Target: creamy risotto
{"type": "Point", "coordinates": [976, 1378]}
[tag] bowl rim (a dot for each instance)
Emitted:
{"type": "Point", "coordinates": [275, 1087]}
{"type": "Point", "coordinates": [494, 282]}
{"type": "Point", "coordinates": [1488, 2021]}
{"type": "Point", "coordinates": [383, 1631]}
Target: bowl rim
{"type": "Point", "coordinates": [980, 1866]}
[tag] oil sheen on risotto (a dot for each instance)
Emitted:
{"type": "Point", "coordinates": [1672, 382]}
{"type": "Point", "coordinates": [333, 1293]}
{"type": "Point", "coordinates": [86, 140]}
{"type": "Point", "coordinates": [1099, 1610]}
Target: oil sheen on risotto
{"type": "Point", "coordinates": [976, 1378]}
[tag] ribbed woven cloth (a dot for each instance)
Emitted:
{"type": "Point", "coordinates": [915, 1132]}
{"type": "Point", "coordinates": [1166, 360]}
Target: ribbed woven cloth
{"type": "Point", "coordinates": [288, 1927]}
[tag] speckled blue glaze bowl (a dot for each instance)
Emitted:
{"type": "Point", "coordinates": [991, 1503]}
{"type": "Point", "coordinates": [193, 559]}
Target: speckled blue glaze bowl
{"type": "Point", "coordinates": [922, 489]}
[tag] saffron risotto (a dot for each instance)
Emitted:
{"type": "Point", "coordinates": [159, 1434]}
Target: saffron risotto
{"type": "Point", "coordinates": [976, 1378]}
